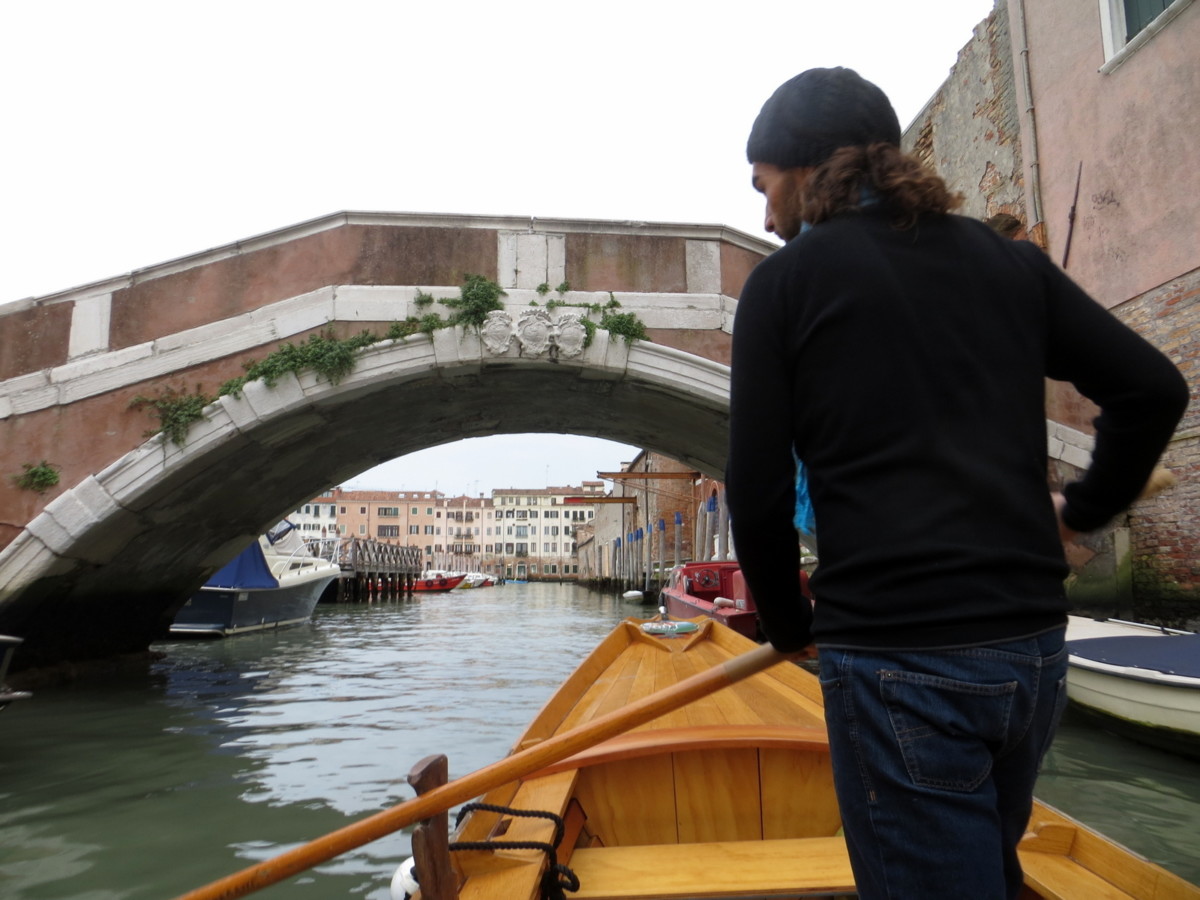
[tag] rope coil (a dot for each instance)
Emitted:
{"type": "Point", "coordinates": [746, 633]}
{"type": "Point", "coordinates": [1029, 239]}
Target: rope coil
{"type": "Point", "coordinates": [557, 877]}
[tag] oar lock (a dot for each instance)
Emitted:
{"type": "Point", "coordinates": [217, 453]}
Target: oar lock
{"type": "Point", "coordinates": [557, 879]}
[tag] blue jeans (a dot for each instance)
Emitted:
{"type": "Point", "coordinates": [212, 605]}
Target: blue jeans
{"type": "Point", "coordinates": [935, 754]}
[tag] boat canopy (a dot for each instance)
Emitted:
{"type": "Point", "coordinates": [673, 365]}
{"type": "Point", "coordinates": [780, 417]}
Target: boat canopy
{"type": "Point", "coordinates": [248, 570]}
{"type": "Point", "coordinates": [1171, 654]}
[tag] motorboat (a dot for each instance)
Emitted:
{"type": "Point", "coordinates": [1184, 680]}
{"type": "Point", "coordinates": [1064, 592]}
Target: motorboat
{"type": "Point", "coordinates": [476, 580]}
{"type": "Point", "coordinates": [1140, 680]}
{"type": "Point", "coordinates": [717, 590]}
{"type": "Point", "coordinates": [437, 581]}
{"type": "Point", "coordinates": [275, 582]}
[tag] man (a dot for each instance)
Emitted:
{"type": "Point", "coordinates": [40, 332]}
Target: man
{"type": "Point", "coordinates": [899, 353]}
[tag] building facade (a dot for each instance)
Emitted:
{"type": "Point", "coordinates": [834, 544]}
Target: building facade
{"type": "Point", "coordinates": [1075, 117]}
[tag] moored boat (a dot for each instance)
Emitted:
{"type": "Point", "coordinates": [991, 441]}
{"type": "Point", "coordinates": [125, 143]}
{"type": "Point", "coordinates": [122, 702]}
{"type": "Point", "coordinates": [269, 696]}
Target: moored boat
{"type": "Point", "coordinates": [713, 589]}
{"type": "Point", "coordinates": [8, 644]}
{"type": "Point", "coordinates": [275, 582]}
{"type": "Point", "coordinates": [437, 581]}
{"type": "Point", "coordinates": [716, 590]}
{"type": "Point", "coordinates": [476, 580]}
{"type": "Point", "coordinates": [1142, 681]}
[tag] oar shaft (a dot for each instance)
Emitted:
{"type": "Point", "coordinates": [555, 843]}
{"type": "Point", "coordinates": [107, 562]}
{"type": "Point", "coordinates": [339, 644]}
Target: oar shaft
{"type": "Point", "coordinates": [524, 762]}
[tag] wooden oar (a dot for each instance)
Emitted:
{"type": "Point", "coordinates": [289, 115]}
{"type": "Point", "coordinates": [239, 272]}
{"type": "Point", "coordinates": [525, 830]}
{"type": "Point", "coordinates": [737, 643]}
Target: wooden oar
{"type": "Point", "coordinates": [524, 762]}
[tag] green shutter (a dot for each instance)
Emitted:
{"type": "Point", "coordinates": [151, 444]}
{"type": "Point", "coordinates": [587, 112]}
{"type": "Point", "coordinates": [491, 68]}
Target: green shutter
{"type": "Point", "coordinates": [1140, 13]}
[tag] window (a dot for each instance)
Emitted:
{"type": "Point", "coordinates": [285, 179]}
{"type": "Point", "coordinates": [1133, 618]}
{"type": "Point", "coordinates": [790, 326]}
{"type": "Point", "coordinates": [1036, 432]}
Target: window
{"type": "Point", "coordinates": [428, 510]}
{"type": "Point", "coordinates": [342, 510]}
{"type": "Point", "coordinates": [429, 529]}
{"type": "Point", "coordinates": [389, 512]}
{"type": "Point", "coordinates": [416, 510]}
{"type": "Point", "coordinates": [362, 529]}
{"type": "Point", "coordinates": [388, 531]}
{"type": "Point", "coordinates": [362, 510]}
{"type": "Point", "coordinates": [522, 531]}
{"type": "Point", "coordinates": [1127, 25]}
{"type": "Point", "coordinates": [414, 529]}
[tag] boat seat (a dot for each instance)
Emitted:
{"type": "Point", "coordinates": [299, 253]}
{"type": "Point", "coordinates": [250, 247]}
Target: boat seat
{"type": "Point", "coordinates": [791, 867]}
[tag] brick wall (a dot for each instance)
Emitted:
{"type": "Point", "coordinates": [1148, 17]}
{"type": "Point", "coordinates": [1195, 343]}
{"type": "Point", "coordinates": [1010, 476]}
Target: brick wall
{"type": "Point", "coordinates": [1165, 563]}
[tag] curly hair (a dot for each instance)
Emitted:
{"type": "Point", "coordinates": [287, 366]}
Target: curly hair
{"type": "Point", "coordinates": [902, 183]}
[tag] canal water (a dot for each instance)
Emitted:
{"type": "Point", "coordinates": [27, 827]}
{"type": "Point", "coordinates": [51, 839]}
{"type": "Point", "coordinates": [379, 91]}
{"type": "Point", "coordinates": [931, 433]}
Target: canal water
{"type": "Point", "coordinates": [146, 784]}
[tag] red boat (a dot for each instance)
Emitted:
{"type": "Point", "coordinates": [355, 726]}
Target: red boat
{"type": "Point", "coordinates": [716, 590]}
{"type": "Point", "coordinates": [435, 580]}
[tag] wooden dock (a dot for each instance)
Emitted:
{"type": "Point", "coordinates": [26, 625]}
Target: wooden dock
{"type": "Point", "coordinates": [371, 569]}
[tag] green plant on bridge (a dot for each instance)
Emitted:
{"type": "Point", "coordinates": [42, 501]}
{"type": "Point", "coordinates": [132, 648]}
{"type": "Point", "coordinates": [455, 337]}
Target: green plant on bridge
{"type": "Point", "coordinates": [38, 477]}
{"type": "Point", "coordinates": [175, 410]}
{"type": "Point", "coordinates": [323, 353]}
{"type": "Point", "coordinates": [624, 325]}
{"type": "Point", "coordinates": [477, 297]}
{"type": "Point", "coordinates": [334, 358]}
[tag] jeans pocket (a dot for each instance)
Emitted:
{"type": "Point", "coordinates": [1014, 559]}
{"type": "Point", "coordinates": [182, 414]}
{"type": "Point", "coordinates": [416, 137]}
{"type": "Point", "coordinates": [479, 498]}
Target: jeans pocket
{"type": "Point", "coordinates": [946, 730]}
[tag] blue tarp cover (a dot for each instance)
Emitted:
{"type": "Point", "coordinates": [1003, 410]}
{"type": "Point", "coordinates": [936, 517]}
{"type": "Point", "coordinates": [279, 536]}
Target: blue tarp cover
{"type": "Point", "coordinates": [1173, 654]}
{"type": "Point", "coordinates": [245, 571]}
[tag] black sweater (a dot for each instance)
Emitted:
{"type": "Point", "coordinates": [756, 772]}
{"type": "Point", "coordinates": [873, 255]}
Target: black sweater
{"type": "Point", "coordinates": [907, 369]}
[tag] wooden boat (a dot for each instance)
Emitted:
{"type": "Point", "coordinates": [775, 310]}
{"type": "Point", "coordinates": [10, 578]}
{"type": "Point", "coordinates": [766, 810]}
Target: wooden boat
{"type": "Point", "coordinates": [641, 780]}
{"type": "Point", "coordinates": [1140, 680]}
{"type": "Point", "coordinates": [716, 590]}
{"type": "Point", "coordinates": [730, 796]}
{"type": "Point", "coordinates": [275, 582]}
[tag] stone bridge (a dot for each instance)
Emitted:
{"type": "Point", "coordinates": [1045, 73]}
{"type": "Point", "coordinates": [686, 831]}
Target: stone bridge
{"type": "Point", "coordinates": [98, 564]}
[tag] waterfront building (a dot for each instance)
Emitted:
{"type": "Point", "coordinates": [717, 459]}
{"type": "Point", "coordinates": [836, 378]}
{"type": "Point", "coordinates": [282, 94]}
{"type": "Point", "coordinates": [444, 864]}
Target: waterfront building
{"type": "Point", "coordinates": [317, 518]}
{"type": "Point", "coordinates": [534, 531]}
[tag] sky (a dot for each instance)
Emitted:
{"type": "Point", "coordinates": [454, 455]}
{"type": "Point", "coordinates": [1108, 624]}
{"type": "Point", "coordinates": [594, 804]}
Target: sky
{"type": "Point", "coordinates": [138, 132]}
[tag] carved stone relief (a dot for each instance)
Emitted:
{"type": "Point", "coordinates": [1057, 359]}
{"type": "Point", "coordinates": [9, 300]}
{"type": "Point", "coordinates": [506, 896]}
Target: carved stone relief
{"type": "Point", "coordinates": [537, 333]}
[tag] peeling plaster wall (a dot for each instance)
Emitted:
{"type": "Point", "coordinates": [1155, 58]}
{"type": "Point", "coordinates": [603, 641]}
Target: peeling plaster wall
{"type": "Point", "coordinates": [969, 132]}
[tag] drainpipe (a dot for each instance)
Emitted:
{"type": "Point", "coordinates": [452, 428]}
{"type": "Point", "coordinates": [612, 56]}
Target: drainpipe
{"type": "Point", "coordinates": [1037, 228]}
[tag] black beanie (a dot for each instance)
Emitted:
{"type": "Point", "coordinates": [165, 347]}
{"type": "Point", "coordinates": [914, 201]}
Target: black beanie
{"type": "Point", "coordinates": [815, 113]}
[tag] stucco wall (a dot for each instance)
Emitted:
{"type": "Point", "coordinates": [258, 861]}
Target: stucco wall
{"type": "Point", "coordinates": [1133, 130]}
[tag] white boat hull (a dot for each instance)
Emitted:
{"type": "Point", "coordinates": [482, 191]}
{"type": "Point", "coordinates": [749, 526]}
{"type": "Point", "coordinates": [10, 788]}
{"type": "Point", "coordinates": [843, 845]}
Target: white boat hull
{"type": "Point", "coordinates": [1158, 706]}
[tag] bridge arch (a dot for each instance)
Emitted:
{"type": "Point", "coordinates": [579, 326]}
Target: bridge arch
{"type": "Point", "coordinates": [97, 566]}
{"type": "Point", "coordinates": [103, 567]}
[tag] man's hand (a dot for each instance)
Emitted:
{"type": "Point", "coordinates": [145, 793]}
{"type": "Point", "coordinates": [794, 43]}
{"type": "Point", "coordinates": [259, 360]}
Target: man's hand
{"type": "Point", "coordinates": [1067, 534]}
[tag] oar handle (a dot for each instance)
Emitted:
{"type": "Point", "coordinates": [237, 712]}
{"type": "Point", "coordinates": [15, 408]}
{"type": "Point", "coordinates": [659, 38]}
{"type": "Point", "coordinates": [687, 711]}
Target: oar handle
{"type": "Point", "coordinates": [514, 766]}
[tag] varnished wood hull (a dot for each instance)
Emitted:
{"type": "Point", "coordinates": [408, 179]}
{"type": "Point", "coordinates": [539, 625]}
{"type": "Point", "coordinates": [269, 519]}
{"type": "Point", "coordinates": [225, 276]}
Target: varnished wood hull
{"type": "Point", "coordinates": [730, 796]}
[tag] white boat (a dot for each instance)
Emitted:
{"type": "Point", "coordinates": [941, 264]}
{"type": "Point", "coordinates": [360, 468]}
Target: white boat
{"type": "Point", "coordinates": [1141, 680]}
{"type": "Point", "coordinates": [8, 644]}
{"type": "Point", "coordinates": [274, 582]}
{"type": "Point", "coordinates": [476, 580]}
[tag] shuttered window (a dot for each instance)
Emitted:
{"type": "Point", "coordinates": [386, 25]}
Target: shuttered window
{"type": "Point", "coordinates": [1140, 13]}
